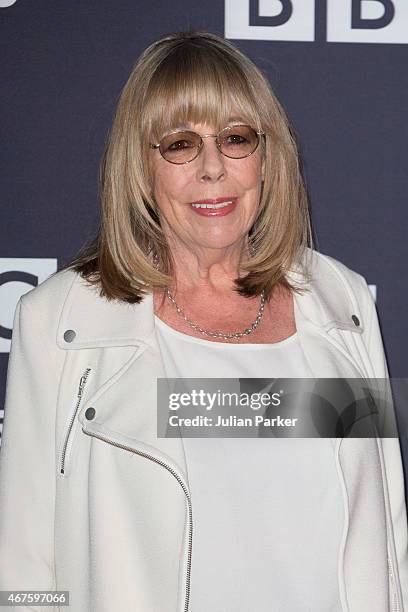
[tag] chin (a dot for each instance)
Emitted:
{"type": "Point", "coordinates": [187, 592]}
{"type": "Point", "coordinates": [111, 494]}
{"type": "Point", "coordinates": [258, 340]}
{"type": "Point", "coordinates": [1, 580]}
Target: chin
{"type": "Point", "coordinates": [218, 242]}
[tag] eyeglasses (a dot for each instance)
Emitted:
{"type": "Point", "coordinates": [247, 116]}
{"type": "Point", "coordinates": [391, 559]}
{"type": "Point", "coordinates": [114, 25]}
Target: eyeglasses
{"type": "Point", "coordinates": [183, 146]}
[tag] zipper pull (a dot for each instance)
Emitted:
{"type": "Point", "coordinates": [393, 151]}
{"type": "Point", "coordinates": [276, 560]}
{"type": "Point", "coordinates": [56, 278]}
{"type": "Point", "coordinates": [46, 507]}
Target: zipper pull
{"type": "Point", "coordinates": [83, 381]}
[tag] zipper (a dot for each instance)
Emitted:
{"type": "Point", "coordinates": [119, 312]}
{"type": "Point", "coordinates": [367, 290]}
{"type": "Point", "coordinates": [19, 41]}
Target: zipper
{"type": "Point", "coordinates": [395, 606]}
{"type": "Point", "coordinates": [183, 486]}
{"type": "Point", "coordinates": [82, 383]}
{"type": "Point", "coordinates": [396, 599]}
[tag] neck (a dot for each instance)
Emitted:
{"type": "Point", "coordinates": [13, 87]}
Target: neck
{"type": "Point", "coordinates": [214, 269]}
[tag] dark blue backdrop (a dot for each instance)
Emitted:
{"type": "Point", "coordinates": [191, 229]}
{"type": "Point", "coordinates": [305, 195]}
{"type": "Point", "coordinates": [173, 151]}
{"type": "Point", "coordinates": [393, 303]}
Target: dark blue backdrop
{"type": "Point", "coordinates": [338, 67]}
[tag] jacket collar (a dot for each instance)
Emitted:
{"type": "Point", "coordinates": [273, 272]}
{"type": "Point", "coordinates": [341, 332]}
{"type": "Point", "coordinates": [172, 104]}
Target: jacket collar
{"type": "Point", "coordinates": [89, 321]}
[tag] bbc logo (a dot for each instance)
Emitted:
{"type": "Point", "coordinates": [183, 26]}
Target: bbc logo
{"type": "Point", "coordinates": [351, 21]}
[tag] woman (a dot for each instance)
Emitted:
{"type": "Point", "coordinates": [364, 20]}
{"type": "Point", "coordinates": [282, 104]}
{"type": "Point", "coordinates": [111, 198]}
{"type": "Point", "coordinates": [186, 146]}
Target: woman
{"type": "Point", "coordinates": [202, 267]}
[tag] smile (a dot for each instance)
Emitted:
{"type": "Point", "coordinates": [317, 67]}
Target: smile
{"type": "Point", "coordinates": [215, 209]}
{"type": "Point", "coordinates": [216, 206]}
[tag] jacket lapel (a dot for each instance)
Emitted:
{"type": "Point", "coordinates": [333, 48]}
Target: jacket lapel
{"type": "Point", "coordinates": [123, 372]}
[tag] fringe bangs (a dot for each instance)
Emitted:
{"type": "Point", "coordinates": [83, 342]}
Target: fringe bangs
{"type": "Point", "coordinates": [192, 86]}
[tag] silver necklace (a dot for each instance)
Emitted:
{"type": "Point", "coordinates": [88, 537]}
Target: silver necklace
{"type": "Point", "coordinates": [224, 336]}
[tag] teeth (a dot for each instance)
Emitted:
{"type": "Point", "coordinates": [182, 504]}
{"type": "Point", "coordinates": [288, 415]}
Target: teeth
{"type": "Point", "coordinates": [221, 205]}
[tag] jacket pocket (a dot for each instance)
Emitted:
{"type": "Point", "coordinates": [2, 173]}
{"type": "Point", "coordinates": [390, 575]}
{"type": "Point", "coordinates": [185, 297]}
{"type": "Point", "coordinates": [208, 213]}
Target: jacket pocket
{"type": "Point", "coordinates": [69, 431]}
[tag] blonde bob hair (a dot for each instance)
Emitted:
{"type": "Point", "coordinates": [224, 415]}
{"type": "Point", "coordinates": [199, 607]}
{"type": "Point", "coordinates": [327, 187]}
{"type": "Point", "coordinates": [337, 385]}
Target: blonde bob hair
{"type": "Point", "coordinates": [193, 77]}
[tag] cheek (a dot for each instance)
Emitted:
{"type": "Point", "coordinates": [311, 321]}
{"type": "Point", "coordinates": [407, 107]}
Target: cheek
{"type": "Point", "coordinates": [249, 175]}
{"type": "Point", "coordinates": [171, 190]}
{"type": "Point", "coordinates": [247, 180]}
{"type": "Point", "coordinates": [171, 183]}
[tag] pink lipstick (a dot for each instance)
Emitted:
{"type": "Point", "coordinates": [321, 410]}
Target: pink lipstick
{"type": "Point", "coordinates": [215, 207]}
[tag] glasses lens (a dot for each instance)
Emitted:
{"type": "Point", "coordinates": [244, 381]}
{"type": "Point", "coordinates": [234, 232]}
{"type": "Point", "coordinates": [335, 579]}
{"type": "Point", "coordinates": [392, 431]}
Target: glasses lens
{"type": "Point", "coordinates": [238, 141]}
{"type": "Point", "coordinates": [180, 147]}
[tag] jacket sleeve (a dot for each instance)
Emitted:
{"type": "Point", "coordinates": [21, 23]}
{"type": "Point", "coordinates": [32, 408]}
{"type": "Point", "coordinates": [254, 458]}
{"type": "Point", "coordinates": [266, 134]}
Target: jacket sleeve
{"type": "Point", "coordinates": [27, 458]}
{"type": "Point", "coordinates": [391, 454]}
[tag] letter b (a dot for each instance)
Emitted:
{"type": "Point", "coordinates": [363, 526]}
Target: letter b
{"type": "Point", "coordinates": [255, 19]}
{"type": "Point", "coordinates": [270, 19]}
{"type": "Point", "coordinates": [365, 21]}
{"type": "Point", "coordinates": [357, 21]}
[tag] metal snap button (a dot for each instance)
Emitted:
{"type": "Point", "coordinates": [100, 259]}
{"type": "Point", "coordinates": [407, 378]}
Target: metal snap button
{"type": "Point", "coordinates": [90, 413]}
{"type": "Point", "coordinates": [69, 335]}
{"type": "Point", "coordinates": [356, 320]}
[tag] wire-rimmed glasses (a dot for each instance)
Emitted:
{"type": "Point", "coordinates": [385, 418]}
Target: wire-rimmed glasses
{"type": "Point", "coordinates": [183, 146]}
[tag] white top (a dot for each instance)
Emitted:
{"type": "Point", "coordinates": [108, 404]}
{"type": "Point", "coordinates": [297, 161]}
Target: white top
{"type": "Point", "coordinates": [267, 512]}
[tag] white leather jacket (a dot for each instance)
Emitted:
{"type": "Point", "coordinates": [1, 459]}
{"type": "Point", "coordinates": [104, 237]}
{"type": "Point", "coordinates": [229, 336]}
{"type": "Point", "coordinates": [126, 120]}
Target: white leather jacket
{"type": "Point", "coordinates": [93, 502]}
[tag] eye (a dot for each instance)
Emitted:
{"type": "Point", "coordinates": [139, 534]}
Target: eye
{"type": "Point", "coordinates": [235, 139]}
{"type": "Point", "coordinates": [180, 141]}
{"type": "Point", "coordinates": [180, 144]}
{"type": "Point", "coordinates": [238, 137]}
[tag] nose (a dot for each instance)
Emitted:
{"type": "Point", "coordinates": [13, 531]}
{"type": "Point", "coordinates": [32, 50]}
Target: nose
{"type": "Point", "coordinates": [211, 162]}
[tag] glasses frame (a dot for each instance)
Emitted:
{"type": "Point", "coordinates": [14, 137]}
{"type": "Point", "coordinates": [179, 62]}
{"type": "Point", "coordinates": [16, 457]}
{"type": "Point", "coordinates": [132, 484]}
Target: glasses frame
{"type": "Point", "coordinates": [201, 144]}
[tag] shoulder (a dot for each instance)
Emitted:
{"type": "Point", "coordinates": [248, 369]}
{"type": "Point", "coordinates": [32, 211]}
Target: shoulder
{"type": "Point", "coordinates": [326, 268]}
{"type": "Point", "coordinates": [330, 273]}
{"type": "Point", "coordinates": [40, 308]}
{"type": "Point", "coordinates": [352, 288]}
{"type": "Point", "coordinates": [340, 291]}
{"type": "Point", "coordinates": [55, 287]}
{"type": "Point", "coordinates": [35, 324]}
{"type": "Point", "coordinates": [50, 295]}
{"type": "Point", "coordinates": [66, 301]}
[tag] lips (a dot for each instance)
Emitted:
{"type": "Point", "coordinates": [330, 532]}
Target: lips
{"type": "Point", "coordinates": [215, 206]}
{"type": "Point", "coordinates": [215, 200]}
